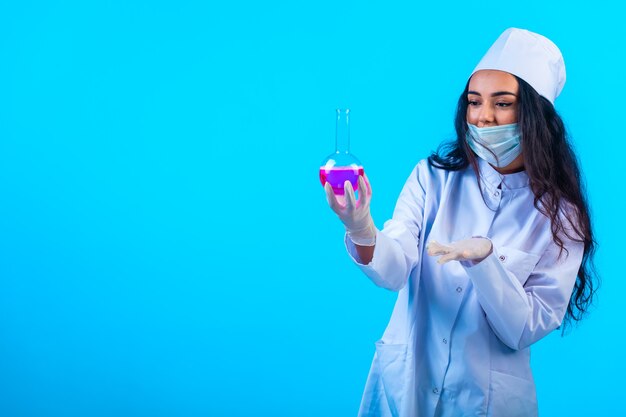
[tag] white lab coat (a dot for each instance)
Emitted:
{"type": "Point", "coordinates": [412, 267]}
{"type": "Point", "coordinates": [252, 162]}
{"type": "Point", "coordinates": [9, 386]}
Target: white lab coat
{"type": "Point", "coordinates": [457, 343]}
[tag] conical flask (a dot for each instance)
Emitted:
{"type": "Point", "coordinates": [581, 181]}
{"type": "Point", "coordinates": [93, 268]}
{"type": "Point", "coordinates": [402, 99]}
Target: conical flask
{"type": "Point", "coordinates": [341, 165]}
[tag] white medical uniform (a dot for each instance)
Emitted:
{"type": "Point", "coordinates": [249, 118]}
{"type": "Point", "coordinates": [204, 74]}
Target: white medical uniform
{"type": "Point", "coordinates": [457, 343]}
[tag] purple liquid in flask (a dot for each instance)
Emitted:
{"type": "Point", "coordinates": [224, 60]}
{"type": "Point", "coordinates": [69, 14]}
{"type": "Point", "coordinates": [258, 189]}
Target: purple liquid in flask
{"type": "Point", "coordinates": [341, 165]}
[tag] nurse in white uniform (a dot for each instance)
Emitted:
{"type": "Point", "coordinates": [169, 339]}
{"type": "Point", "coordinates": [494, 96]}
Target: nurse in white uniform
{"type": "Point", "coordinates": [489, 247]}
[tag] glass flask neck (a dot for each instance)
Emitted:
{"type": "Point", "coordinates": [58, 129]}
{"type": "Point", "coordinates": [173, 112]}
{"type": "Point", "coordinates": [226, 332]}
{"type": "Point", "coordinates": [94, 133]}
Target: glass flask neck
{"type": "Point", "coordinates": [342, 138]}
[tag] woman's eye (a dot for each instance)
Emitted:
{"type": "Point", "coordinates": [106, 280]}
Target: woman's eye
{"type": "Point", "coordinates": [503, 104]}
{"type": "Point", "coordinates": [472, 102]}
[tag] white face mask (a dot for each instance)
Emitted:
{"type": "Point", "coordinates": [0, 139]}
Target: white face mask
{"type": "Point", "coordinates": [498, 145]}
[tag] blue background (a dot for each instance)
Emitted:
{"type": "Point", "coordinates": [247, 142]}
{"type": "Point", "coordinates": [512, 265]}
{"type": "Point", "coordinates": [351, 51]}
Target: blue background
{"type": "Point", "coordinates": [165, 245]}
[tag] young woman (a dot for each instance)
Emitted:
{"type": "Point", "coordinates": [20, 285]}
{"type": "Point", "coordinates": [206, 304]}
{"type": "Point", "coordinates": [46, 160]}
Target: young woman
{"type": "Point", "coordinates": [490, 246]}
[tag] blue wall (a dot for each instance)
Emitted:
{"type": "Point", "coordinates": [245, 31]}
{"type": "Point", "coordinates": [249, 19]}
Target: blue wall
{"type": "Point", "coordinates": [165, 245]}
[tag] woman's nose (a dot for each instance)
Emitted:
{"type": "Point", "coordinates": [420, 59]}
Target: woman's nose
{"type": "Point", "coordinates": [486, 116]}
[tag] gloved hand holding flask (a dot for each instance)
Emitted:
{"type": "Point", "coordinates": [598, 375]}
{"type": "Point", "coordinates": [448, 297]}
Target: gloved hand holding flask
{"type": "Point", "coordinates": [355, 214]}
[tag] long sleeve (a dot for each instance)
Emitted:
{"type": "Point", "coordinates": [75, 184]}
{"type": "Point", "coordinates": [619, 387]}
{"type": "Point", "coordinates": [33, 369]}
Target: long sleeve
{"type": "Point", "coordinates": [396, 252]}
{"type": "Point", "coordinates": [525, 296]}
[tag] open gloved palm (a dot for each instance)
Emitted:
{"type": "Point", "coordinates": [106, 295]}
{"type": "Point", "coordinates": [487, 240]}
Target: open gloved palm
{"type": "Point", "coordinates": [473, 249]}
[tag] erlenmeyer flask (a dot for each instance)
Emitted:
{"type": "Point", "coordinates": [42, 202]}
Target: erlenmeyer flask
{"type": "Point", "coordinates": [341, 165]}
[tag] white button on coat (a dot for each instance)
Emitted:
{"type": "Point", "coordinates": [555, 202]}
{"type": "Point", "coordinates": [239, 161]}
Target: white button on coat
{"type": "Point", "coordinates": [504, 308]}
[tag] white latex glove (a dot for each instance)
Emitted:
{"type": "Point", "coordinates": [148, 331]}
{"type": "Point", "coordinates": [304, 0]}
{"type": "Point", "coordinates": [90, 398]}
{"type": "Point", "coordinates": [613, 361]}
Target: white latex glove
{"type": "Point", "coordinates": [473, 249]}
{"type": "Point", "coordinates": [355, 215]}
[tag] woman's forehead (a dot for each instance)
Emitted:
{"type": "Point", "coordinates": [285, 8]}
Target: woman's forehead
{"type": "Point", "coordinates": [486, 81]}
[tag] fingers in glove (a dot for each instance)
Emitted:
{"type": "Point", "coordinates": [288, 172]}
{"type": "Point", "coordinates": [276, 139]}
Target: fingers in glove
{"type": "Point", "coordinates": [363, 195]}
{"type": "Point", "coordinates": [349, 195]}
{"type": "Point", "coordinates": [452, 256]}
{"type": "Point", "coordinates": [368, 187]}
{"type": "Point", "coordinates": [435, 248]}
{"type": "Point", "coordinates": [330, 197]}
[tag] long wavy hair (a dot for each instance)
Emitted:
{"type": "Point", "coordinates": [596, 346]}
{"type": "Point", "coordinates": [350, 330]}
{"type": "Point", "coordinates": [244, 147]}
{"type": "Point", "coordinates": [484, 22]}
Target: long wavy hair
{"type": "Point", "coordinates": [554, 177]}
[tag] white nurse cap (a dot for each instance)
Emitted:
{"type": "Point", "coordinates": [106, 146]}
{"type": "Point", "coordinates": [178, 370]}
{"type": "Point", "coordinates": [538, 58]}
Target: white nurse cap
{"type": "Point", "coordinates": [532, 57]}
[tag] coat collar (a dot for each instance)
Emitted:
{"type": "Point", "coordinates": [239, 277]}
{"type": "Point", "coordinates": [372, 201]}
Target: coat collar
{"type": "Point", "coordinates": [492, 177]}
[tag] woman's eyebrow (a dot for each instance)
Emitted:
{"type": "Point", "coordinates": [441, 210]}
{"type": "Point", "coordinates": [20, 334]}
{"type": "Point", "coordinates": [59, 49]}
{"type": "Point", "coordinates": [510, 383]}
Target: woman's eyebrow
{"type": "Point", "coordinates": [496, 94]}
